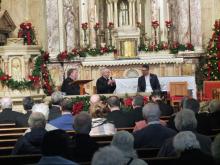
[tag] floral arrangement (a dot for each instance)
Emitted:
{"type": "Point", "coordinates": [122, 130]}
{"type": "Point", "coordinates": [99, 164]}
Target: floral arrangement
{"type": "Point", "coordinates": [155, 24]}
{"type": "Point", "coordinates": [110, 25]}
{"type": "Point", "coordinates": [168, 24]}
{"type": "Point", "coordinates": [40, 77]}
{"type": "Point", "coordinates": [96, 27]}
{"type": "Point", "coordinates": [84, 26]}
{"type": "Point", "coordinates": [27, 32]}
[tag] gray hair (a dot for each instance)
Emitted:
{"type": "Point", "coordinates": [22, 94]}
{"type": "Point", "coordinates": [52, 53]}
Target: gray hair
{"type": "Point", "coordinates": [108, 155]}
{"type": "Point", "coordinates": [216, 148]}
{"type": "Point", "coordinates": [138, 162]}
{"type": "Point", "coordinates": [185, 120]}
{"type": "Point", "coordinates": [185, 140]}
{"type": "Point", "coordinates": [214, 105]}
{"type": "Point", "coordinates": [37, 120]}
{"type": "Point", "coordinates": [56, 97]}
{"type": "Point", "coordinates": [138, 101]}
{"type": "Point", "coordinates": [6, 102]}
{"type": "Point", "coordinates": [124, 141]}
{"type": "Point", "coordinates": [43, 108]}
{"type": "Point", "coordinates": [82, 123]}
{"type": "Point", "coordinates": [151, 112]}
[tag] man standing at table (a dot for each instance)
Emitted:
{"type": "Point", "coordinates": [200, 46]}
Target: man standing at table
{"type": "Point", "coordinates": [148, 82]}
{"type": "Point", "coordinates": [68, 86]}
{"type": "Point", "coordinates": [105, 84]}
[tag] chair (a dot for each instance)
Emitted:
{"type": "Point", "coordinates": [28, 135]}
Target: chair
{"type": "Point", "coordinates": [178, 90]}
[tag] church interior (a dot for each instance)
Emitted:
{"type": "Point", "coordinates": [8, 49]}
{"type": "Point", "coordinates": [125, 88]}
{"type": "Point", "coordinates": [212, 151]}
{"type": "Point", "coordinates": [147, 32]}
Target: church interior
{"type": "Point", "coordinates": [117, 64]}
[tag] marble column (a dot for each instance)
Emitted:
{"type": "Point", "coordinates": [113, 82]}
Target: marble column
{"type": "Point", "coordinates": [92, 37]}
{"type": "Point", "coordinates": [115, 13]}
{"type": "Point", "coordinates": [61, 26]}
{"type": "Point", "coordinates": [133, 14]}
{"type": "Point", "coordinates": [109, 12]}
{"type": "Point", "coordinates": [52, 27]}
{"type": "Point", "coordinates": [130, 12]}
{"type": "Point", "coordinates": [147, 17]}
{"type": "Point", "coordinates": [139, 10]}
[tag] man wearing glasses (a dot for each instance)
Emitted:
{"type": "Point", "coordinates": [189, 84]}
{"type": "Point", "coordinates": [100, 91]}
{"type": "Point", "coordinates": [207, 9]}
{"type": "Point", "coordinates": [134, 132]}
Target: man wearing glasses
{"type": "Point", "coordinates": [148, 82]}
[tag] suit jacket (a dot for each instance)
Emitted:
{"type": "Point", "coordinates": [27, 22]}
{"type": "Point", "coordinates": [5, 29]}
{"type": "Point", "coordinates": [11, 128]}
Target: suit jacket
{"type": "Point", "coordinates": [54, 112]}
{"type": "Point", "coordinates": [120, 119]}
{"type": "Point", "coordinates": [167, 149]}
{"type": "Point", "coordinates": [64, 122]}
{"type": "Point", "coordinates": [83, 147]}
{"type": "Point", "coordinates": [102, 86]}
{"type": "Point", "coordinates": [152, 136]}
{"type": "Point", "coordinates": [9, 116]}
{"type": "Point", "coordinates": [154, 82]}
{"type": "Point", "coordinates": [30, 143]}
{"type": "Point", "coordinates": [165, 109]}
{"type": "Point", "coordinates": [69, 87]}
{"type": "Point", "coordinates": [214, 119]}
{"type": "Point", "coordinates": [137, 114]}
{"type": "Point", "coordinates": [22, 120]}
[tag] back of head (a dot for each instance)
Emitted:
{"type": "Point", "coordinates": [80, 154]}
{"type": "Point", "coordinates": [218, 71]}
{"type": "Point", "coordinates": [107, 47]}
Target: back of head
{"type": "Point", "coordinates": [108, 156]}
{"type": "Point", "coordinates": [37, 120]}
{"type": "Point", "coordinates": [151, 112]}
{"type": "Point", "coordinates": [94, 99]}
{"type": "Point", "coordinates": [43, 108]}
{"type": "Point", "coordinates": [214, 105]}
{"type": "Point", "coordinates": [55, 143]}
{"type": "Point", "coordinates": [28, 103]}
{"type": "Point", "coordinates": [216, 149]}
{"type": "Point", "coordinates": [6, 102]}
{"type": "Point", "coordinates": [98, 110]}
{"type": "Point", "coordinates": [82, 123]}
{"type": "Point", "coordinates": [138, 101]}
{"type": "Point", "coordinates": [113, 101]}
{"type": "Point", "coordinates": [124, 141]}
{"type": "Point", "coordinates": [138, 162]}
{"type": "Point", "coordinates": [192, 104]}
{"type": "Point", "coordinates": [185, 140]}
{"type": "Point", "coordinates": [56, 97]}
{"type": "Point", "coordinates": [185, 120]}
{"type": "Point", "coordinates": [67, 105]}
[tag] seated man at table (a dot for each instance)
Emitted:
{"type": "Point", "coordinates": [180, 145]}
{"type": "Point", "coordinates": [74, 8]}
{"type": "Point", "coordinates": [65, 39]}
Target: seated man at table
{"type": "Point", "coordinates": [105, 84]}
{"type": "Point", "coordinates": [148, 82]}
{"type": "Point", "coordinates": [68, 86]}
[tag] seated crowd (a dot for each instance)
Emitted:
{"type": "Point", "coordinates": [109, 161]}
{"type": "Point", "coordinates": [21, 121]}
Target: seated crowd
{"type": "Point", "coordinates": [184, 136]}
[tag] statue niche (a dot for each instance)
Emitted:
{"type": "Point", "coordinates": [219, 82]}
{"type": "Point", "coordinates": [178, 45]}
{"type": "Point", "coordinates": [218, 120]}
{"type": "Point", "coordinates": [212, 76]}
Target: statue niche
{"type": "Point", "coordinates": [123, 13]}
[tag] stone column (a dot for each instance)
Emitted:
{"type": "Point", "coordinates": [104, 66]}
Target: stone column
{"type": "Point", "coordinates": [91, 8]}
{"type": "Point", "coordinates": [130, 12]}
{"type": "Point", "coordinates": [109, 12]}
{"type": "Point", "coordinates": [139, 10]}
{"type": "Point", "coordinates": [115, 13]}
{"type": "Point", "coordinates": [26, 64]}
{"type": "Point", "coordinates": [148, 17]}
{"type": "Point", "coordinates": [133, 13]}
{"type": "Point", "coordinates": [61, 26]}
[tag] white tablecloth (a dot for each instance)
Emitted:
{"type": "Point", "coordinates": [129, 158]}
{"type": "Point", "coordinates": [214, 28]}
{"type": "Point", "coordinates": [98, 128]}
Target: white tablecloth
{"type": "Point", "coordinates": [129, 85]}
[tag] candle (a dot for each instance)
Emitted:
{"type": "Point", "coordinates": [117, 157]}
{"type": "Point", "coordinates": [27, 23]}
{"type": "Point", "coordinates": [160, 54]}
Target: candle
{"type": "Point", "coordinates": [140, 15]}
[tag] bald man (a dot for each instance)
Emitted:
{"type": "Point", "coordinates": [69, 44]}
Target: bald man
{"type": "Point", "coordinates": [105, 84]}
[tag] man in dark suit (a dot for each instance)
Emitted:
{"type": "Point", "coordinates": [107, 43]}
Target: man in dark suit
{"type": "Point", "coordinates": [105, 84]}
{"type": "Point", "coordinates": [119, 118]}
{"type": "Point", "coordinates": [22, 120]}
{"type": "Point", "coordinates": [148, 82]}
{"type": "Point", "coordinates": [8, 115]}
{"type": "Point", "coordinates": [137, 104]}
{"type": "Point", "coordinates": [154, 134]}
{"type": "Point", "coordinates": [68, 86]}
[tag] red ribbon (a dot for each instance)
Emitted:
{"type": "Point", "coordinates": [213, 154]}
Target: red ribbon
{"type": "Point", "coordinates": [28, 38]}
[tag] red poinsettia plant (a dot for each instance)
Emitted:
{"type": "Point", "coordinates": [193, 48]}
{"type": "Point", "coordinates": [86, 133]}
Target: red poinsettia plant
{"type": "Point", "coordinates": [128, 101]}
{"type": "Point", "coordinates": [35, 80]}
{"type": "Point", "coordinates": [62, 56]}
{"type": "Point", "coordinates": [96, 26]}
{"type": "Point", "coordinates": [5, 77]}
{"type": "Point", "coordinates": [84, 26]}
{"type": "Point", "coordinates": [168, 24]}
{"type": "Point", "coordinates": [27, 32]}
{"type": "Point", "coordinates": [189, 46]}
{"type": "Point", "coordinates": [155, 24]}
{"type": "Point", "coordinates": [110, 25]}
{"type": "Point", "coordinates": [77, 107]}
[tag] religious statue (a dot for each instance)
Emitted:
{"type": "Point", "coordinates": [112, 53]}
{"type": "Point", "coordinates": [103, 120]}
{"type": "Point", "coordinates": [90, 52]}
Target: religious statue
{"type": "Point", "coordinates": [123, 13]}
{"type": "Point", "coordinates": [16, 71]}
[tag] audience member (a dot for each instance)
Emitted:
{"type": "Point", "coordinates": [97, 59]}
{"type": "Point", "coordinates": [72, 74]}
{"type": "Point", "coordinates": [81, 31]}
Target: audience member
{"type": "Point", "coordinates": [108, 155]}
{"type": "Point", "coordinates": [22, 121]}
{"type": "Point", "coordinates": [216, 149]}
{"type": "Point", "coordinates": [185, 120]}
{"type": "Point", "coordinates": [124, 141]}
{"type": "Point", "coordinates": [94, 99]}
{"type": "Point", "coordinates": [55, 109]}
{"type": "Point", "coordinates": [137, 105]}
{"type": "Point", "coordinates": [100, 125]}
{"type": "Point", "coordinates": [166, 110]}
{"type": "Point", "coordinates": [155, 134]}
{"type": "Point", "coordinates": [83, 145]}
{"type": "Point", "coordinates": [55, 148]}
{"type": "Point", "coordinates": [8, 115]}
{"type": "Point", "coordinates": [214, 116]}
{"type": "Point", "coordinates": [31, 142]}
{"type": "Point", "coordinates": [64, 122]}
{"type": "Point", "coordinates": [119, 118]}
{"type": "Point", "coordinates": [186, 144]}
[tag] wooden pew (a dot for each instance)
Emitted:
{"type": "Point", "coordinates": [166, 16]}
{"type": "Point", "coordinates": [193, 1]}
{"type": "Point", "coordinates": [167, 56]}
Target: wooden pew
{"type": "Point", "coordinates": [129, 129]}
{"type": "Point", "coordinates": [147, 152]}
{"type": "Point", "coordinates": [9, 125]}
{"type": "Point", "coordinates": [8, 142]}
{"type": "Point", "coordinates": [20, 159]}
{"type": "Point", "coordinates": [10, 136]}
{"type": "Point", "coordinates": [6, 150]}
{"type": "Point", "coordinates": [161, 160]}
{"type": "Point", "coordinates": [12, 130]}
